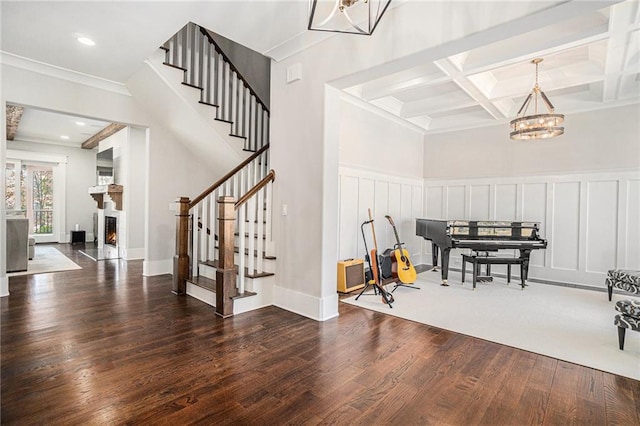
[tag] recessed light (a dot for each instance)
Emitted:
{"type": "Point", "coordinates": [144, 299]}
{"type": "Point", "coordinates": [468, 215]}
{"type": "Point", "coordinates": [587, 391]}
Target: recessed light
{"type": "Point", "coordinates": [65, 137]}
{"type": "Point", "coordinates": [80, 123]}
{"type": "Point", "coordinates": [86, 41]}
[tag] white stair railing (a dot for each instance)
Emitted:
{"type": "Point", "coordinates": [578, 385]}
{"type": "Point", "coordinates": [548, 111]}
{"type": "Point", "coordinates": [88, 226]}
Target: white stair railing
{"type": "Point", "coordinates": [253, 226]}
{"type": "Point", "coordinates": [206, 67]}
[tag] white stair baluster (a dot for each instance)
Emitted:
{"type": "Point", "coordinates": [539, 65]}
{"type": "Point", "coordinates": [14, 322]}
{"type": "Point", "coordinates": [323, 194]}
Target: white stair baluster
{"type": "Point", "coordinates": [241, 246]}
{"type": "Point", "coordinates": [251, 217]}
{"type": "Point", "coordinates": [260, 231]}
{"type": "Point", "coordinates": [203, 233]}
{"type": "Point", "coordinates": [195, 241]}
{"type": "Point", "coordinates": [213, 222]}
{"type": "Point", "coordinates": [268, 246]}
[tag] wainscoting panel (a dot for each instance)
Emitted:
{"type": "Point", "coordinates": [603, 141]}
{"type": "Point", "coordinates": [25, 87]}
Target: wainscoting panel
{"type": "Point", "coordinates": [534, 208]}
{"type": "Point", "coordinates": [434, 208]}
{"type": "Point", "coordinates": [602, 225]}
{"type": "Point", "coordinates": [479, 202]}
{"type": "Point", "coordinates": [632, 225]}
{"type": "Point", "coordinates": [590, 220]}
{"type": "Point", "coordinates": [349, 236]}
{"type": "Point", "coordinates": [455, 202]}
{"type": "Point", "coordinates": [566, 226]}
{"type": "Point", "coordinates": [505, 201]}
{"type": "Point", "coordinates": [401, 198]}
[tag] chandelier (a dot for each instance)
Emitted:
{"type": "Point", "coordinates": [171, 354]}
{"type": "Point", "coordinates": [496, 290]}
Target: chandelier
{"type": "Point", "coordinates": [536, 126]}
{"type": "Point", "coordinates": [346, 16]}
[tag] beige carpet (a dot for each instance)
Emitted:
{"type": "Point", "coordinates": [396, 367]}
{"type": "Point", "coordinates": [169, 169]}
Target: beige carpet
{"type": "Point", "coordinates": [566, 323]}
{"type": "Point", "coordinates": [47, 259]}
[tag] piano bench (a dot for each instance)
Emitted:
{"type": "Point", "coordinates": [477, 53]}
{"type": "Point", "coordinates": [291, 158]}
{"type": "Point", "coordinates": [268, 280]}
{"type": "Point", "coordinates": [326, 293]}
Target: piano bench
{"type": "Point", "coordinates": [624, 279]}
{"type": "Point", "coordinates": [476, 261]}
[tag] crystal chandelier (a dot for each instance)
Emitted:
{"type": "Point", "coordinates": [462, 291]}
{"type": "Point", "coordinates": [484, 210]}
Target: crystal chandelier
{"type": "Point", "coordinates": [346, 16]}
{"type": "Point", "coordinates": [536, 126]}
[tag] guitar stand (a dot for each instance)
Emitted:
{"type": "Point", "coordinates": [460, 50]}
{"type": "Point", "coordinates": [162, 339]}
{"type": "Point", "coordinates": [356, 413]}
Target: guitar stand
{"type": "Point", "coordinates": [401, 284]}
{"type": "Point", "coordinates": [396, 285]}
{"type": "Point", "coordinates": [386, 298]}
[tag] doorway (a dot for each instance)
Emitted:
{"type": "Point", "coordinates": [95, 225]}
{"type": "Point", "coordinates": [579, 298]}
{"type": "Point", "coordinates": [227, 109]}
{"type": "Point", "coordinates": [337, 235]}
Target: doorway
{"type": "Point", "coordinates": [32, 191]}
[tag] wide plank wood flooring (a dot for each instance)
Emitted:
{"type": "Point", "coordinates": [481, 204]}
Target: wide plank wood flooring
{"type": "Point", "coordinates": [104, 345]}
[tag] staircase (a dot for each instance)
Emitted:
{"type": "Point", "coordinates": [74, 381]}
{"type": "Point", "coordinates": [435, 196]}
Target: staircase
{"type": "Point", "coordinates": [223, 243]}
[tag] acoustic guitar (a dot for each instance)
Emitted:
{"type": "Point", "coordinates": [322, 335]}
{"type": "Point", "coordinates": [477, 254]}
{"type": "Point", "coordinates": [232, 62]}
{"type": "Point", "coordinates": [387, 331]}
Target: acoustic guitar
{"type": "Point", "coordinates": [375, 266]}
{"type": "Point", "coordinates": [402, 269]}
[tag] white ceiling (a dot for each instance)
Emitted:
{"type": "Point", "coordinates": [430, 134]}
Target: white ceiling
{"type": "Point", "coordinates": [591, 59]}
{"type": "Point", "coordinates": [54, 128]}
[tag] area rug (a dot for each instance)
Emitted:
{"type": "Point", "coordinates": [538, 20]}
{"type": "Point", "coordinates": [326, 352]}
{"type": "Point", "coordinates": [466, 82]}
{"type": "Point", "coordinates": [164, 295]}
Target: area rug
{"type": "Point", "coordinates": [566, 323]}
{"type": "Point", "coordinates": [47, 259]}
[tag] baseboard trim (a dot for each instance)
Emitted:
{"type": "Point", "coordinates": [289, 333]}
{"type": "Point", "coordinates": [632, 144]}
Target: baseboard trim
{"type": "Point", "coordinates": [319, 309]}
{"type": "Point", "coordinates": [133, 253]}
{"type": "Point", "coordinates": [157, 267]}
{"type": "Point", "coordinates": [4, 286]}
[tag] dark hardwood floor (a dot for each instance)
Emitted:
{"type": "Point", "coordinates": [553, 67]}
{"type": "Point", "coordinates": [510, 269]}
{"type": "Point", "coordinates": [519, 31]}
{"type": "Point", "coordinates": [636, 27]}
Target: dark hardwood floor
{"type": "Point", "coordinates": [104, 345]}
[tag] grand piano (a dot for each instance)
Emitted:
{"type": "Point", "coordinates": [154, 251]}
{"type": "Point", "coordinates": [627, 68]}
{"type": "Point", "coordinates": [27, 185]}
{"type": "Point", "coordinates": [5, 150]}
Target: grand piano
{"type": "Point", "coordinates": [480, 236]}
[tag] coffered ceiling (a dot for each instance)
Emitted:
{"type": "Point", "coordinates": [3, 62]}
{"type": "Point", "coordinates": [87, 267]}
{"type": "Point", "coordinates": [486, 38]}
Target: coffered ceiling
{"type": "Point", "coordinates": [591, 52]}
{"type": "Point", "coordinates": [591, 61]}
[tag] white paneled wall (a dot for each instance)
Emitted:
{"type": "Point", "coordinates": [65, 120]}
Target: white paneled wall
{"type": "Point", "coordinates": [400, 198]}
{"type": "Point", "coordinates": [591, 221]}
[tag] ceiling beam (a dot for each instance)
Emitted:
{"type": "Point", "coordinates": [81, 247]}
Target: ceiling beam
{"type": "Point", "coordinates": [94, 140]}
{"type": "Point", "coordinates": [14, 114]}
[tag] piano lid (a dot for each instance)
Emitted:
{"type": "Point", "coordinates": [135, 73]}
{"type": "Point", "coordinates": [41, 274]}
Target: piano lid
{"type": "Point", "coordinates": [493, 229]}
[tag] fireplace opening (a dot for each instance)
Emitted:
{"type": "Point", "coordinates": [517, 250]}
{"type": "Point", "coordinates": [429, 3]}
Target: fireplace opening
{"type": "Point", "coordinates": [110, 230]}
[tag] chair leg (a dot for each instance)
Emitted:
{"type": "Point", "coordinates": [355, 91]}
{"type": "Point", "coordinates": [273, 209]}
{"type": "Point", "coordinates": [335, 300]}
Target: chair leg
{"type": "Point", "coordinates": [610, 290]}
{"type": "Point", "coordinates": [621, 331]}
{"type": "Point", "coordinates": [508, 273]}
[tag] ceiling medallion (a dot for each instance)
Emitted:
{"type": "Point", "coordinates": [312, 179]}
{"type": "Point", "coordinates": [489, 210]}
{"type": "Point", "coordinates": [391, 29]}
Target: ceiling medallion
{"type": "Point", "coordinates": [346, 16]}
{"type": "Point", "coordinates": [536, 126]}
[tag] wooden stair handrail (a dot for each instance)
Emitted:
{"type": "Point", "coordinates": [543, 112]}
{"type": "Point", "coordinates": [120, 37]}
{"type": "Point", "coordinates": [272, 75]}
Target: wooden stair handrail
{"type": "Point", "coordinates": [224, 178]}
{"type": "Point", "coordinates": [205, 32]}
{"type": "Point", "coordinates": [270, 177]}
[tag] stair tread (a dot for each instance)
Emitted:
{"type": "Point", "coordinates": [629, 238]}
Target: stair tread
{"type": "Point", "coordinates": [237, 136]}
{"type": "Point", "coordinates": [174, 66]}
{"type": "Point", "coordinates": [203, 282]}
{"type": "Point", "coordinates": [209, 284]}
{"type": "Point", "coordinates": [214, 264]}
{"type": "Point", "coordinates": [192, 85]}
{"type": "Point", "coordinates": [208, 104]}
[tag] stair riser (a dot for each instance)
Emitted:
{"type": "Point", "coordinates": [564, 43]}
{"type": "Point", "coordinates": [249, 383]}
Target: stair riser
{"type": "Point", "coordinates": [263, 288]}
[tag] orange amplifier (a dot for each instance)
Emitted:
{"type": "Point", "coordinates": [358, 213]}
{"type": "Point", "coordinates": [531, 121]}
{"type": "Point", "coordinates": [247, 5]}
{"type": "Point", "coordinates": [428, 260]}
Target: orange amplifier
{"type": "Point", "coordinates": [350, 275]}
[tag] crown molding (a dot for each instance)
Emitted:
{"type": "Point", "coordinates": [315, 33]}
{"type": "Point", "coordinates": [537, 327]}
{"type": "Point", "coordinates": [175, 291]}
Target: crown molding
{"type": "Point", "coordinates": [49, 70]}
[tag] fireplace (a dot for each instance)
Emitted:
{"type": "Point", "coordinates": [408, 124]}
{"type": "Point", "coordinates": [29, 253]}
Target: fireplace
{"type": "Point", "coordinates": [111, 230]}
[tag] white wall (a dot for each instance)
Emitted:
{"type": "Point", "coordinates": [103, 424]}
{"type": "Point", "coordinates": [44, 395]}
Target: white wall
{"type": "Point", "coordinates": [80, 175]}
{"type": "Point", "coordinates": [172, 170]}
{"type": "Point", "coordinates": [400, 198]}
{"type": "Point", "coordinates": [607, 139]}
{"type": "Point", "coordinates": [582, 187]}
{"type": "Point", "coordinates": [304, 146]}
{"type": "Point", "coordinates": [130, 170]}
{"type": "Point", "coordinates": [373, 142]}
{"type": "Point", "coordinates": [380, 169]}
{"type": "Point", "coordinates": [591, 221]}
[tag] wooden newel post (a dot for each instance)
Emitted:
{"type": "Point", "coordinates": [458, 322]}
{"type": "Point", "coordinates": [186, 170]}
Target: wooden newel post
{"type": "Point", "coordinates": [181, 259]}
{"type": "Point", "coordinates": [226, 272]}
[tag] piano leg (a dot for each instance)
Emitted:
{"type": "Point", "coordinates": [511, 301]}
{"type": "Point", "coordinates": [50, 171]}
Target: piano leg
{"type": "Point", "coordinates": [525, 254]}
{"type": "Point", "coordinates": [445, 266]}
{"type": "Point", "coordinates": [434, 256]}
